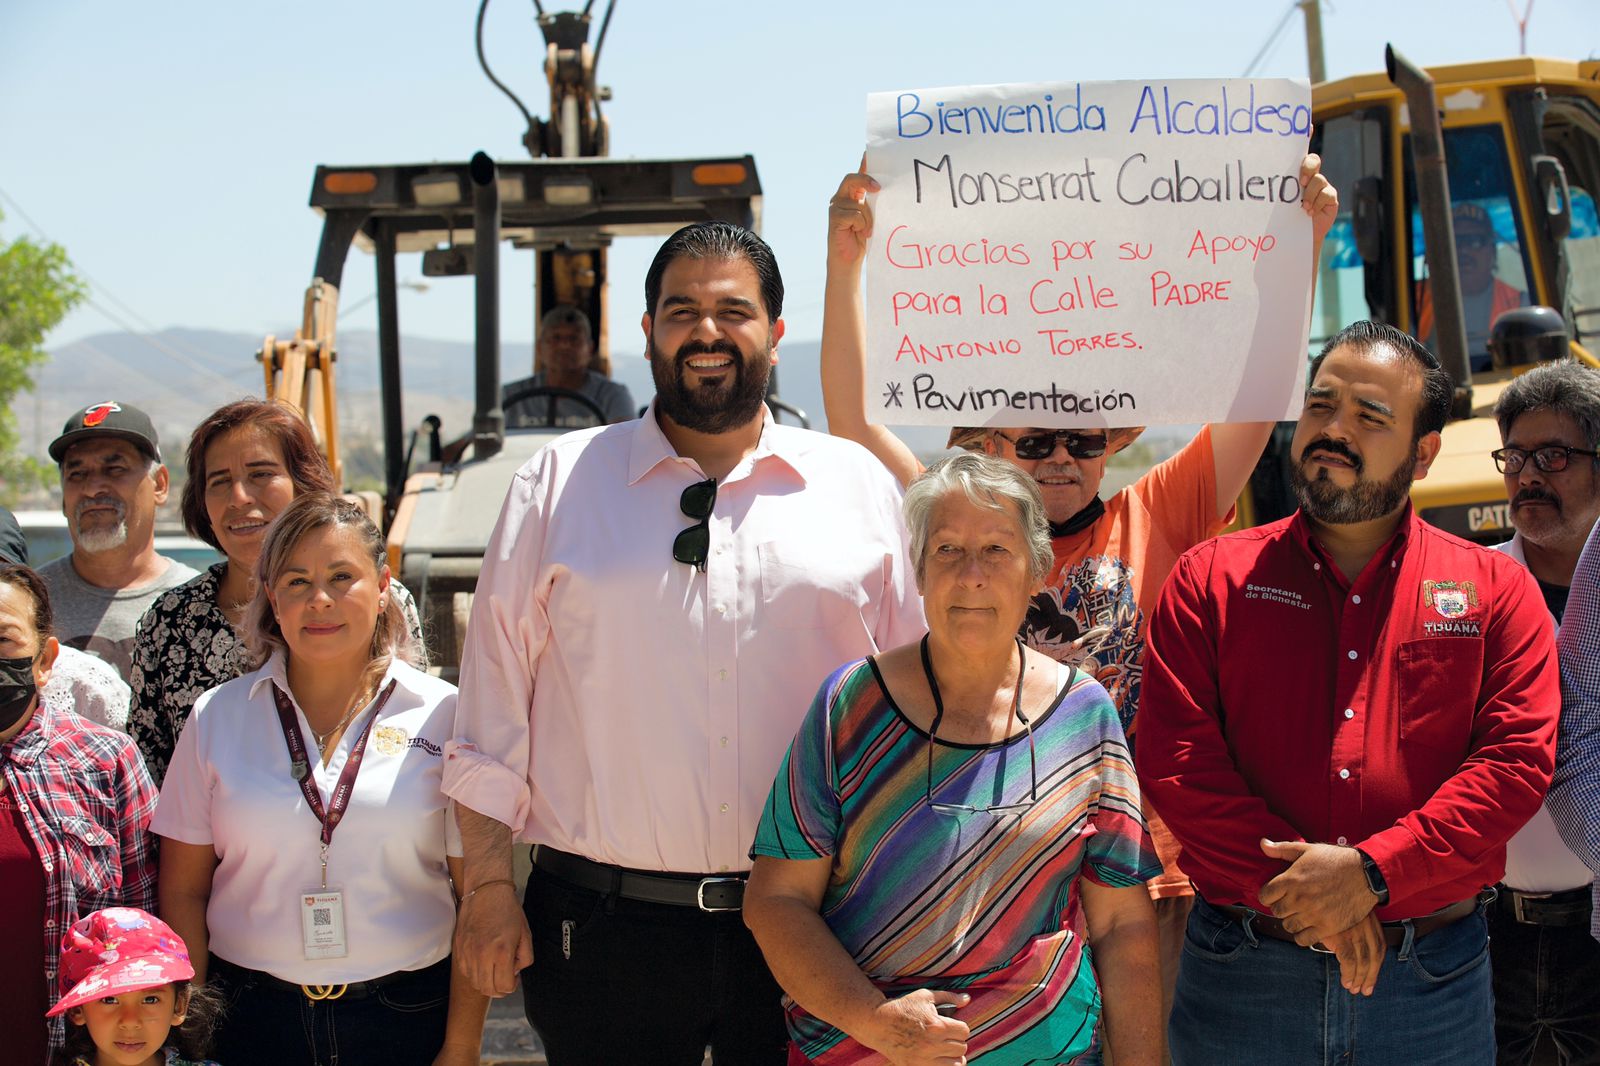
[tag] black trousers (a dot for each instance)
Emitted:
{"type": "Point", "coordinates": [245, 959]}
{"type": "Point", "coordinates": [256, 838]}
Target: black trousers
{"type": "Point", "coordinates": [1546, 984]}
{"type": "Point", "coordinates": [619, 981]}
{"type": "Point", "coordinates": [264, 1024]}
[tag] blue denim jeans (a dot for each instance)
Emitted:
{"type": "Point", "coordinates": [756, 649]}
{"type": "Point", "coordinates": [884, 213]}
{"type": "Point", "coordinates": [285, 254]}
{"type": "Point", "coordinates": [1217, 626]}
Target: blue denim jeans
{"type": "Point", "coordinates": [1250, 1000]}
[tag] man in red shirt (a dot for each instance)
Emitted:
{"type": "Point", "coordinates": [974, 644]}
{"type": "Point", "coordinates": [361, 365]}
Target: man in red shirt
{"type": "Point", "coordinates": [1346, 714]}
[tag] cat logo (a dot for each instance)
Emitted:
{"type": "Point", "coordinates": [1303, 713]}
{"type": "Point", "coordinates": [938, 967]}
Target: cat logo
{"type": "Point", "coordinates": [1490, 516]}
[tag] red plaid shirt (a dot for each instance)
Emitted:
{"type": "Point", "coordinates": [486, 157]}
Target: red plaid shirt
{"type": "Point", "coordinates": [87, 802]}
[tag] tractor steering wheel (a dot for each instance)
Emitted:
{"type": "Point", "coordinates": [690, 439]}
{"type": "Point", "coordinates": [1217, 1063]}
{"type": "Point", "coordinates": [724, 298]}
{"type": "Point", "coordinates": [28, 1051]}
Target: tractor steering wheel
{"type": "Point", "coordinates": [522, 393]}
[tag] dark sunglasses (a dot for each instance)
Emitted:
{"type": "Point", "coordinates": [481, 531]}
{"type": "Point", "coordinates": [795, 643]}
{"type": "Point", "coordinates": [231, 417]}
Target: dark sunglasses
{"type": "Point", "coordinates": [693, 544]}
{"type": "Point", "coordinates": [1551, 459]}
{"type": "Point", "coordinates": [1041, 445]}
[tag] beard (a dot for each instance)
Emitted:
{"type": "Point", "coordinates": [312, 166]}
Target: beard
{"type": "Point", "coordinates": [1555, 531]}
{"type": "Point", "coordinates": [104, 538]}
{"type": "Point", "coordinates": [1326, 502]}
{"type": "Point", "coordinates": [711, 408]}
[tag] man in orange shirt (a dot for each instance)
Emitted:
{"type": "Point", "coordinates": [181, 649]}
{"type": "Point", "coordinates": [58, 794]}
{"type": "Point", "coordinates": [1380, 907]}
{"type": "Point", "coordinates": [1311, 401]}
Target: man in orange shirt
{"type": "Point", "coordinates": [1111, 556]}
{"type": "Point", "coordinates": [1484, 297]}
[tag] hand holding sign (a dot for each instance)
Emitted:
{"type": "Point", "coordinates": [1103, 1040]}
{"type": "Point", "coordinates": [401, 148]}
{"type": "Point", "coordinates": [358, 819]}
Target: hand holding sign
{"type": "Point", "coordinates": [850, 220]}
{"type": "Point", "coordinates": [1086, 255]}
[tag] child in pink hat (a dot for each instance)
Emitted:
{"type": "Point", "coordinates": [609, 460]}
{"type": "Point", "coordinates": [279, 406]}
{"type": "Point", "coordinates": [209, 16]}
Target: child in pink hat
{"type": "Point", "coordinates": [125, 988]}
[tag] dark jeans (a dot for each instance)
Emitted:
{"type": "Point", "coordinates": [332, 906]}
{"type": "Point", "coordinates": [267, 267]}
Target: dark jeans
{"type": "Point", "coordinates": [1546, 986]}
{"type": "Point", "coordinates": [619, 981]}
{"type": "Point", "coordinates": [1249, 1000]}
{"type": "Point", "coordinates": [264, 1024]}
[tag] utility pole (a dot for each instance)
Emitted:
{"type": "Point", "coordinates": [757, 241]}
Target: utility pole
{"type": "Point", "coordinates": [1314, 57]}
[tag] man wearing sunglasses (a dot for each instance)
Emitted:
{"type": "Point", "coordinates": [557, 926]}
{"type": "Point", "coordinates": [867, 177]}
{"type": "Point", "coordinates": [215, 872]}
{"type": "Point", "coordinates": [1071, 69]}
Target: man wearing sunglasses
{"type": "Point", "coordinates": [1346, 715]}
{"type": "Point", "coordinates": [657, 604]}
{"type": "Point", "coordinates": [1484, 297]}
{"type": "Point", "coordinates": [1546, 965]}
{"type": "Point", "coordinates": [1112, 554]}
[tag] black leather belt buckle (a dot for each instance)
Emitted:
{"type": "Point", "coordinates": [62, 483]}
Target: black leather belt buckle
{"type": "Point", "coordinates": [717, 894]}
{"type": "Point", "coordinates": [1550, 908]}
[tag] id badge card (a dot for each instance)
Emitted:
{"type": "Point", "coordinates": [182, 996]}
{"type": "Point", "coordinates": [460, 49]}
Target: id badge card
{"type": "Point", "coordinates": [322, 924]}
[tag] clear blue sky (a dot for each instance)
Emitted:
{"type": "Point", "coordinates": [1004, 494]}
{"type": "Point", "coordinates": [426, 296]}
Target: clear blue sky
{"type": "Point", "coordinates": [170, 146]}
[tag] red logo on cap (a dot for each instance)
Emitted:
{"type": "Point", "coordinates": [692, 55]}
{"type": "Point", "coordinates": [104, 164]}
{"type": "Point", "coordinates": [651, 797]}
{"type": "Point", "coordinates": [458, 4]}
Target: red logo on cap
{"type": "Point", "coordinates": [99, 413]}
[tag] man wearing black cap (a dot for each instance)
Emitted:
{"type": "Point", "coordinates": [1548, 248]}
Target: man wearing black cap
{"type": "Point", "coordinates": [112, 481]}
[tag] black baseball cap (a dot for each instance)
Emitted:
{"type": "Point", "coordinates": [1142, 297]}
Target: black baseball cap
{"type": "Point", "coordinates": [110, 418]}
{"type": "Point", "coordinates": [13, 544]}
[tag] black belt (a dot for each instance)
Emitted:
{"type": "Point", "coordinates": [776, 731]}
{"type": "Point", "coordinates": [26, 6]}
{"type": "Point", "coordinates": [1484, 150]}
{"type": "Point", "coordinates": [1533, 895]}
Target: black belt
{"type": "Point", "coordinates": [1394, 933]}
{"type": "Point", "coordinates": [1571, 907]}
{"type": "Point", "coordinates": [237, 974]}
{"type": "Point", "coordinates": [717, 892]}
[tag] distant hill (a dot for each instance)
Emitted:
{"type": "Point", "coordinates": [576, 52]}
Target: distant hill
{"type": "Point", "coordinates": [181, 375]}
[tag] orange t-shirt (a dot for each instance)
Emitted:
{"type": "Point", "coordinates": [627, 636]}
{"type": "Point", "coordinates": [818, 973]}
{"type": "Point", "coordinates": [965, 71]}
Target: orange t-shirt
{"type": "Point", "coordinates": [1111, 575]}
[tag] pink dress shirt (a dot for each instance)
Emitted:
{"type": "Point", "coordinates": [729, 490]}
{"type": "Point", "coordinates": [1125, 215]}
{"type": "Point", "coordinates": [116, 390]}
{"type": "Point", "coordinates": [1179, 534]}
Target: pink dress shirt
{"type": "Point", "coordinates": [625, 707]}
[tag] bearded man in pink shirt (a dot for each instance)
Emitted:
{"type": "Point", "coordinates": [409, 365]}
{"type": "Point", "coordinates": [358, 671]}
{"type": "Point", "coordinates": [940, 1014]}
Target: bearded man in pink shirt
{"type": "Point", "coordinates": [657, 602]}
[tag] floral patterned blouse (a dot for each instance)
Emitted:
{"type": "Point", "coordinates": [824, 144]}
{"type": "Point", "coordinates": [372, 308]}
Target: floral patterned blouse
{"type": "Point", "coordinates": [186, 645]}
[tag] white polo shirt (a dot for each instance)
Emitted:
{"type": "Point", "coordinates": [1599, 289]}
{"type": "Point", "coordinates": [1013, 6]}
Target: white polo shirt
{"type": "Point", "coordinates": [229, 786]}
{"type": "Point", "coordinates": [1537, 859]}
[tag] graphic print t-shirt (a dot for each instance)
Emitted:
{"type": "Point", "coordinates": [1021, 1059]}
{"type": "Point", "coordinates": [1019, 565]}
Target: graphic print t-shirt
{"type": "Point", "coordinates": [1107, 578]}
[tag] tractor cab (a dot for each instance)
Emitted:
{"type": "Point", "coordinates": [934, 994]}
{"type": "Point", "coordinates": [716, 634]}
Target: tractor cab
{"type": "Point", "coordinates": [1503, 182]}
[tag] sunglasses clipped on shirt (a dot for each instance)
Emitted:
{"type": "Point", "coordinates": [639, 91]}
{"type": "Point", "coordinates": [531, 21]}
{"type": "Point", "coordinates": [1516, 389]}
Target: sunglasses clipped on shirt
{"type": "Point", "coordinates": [1041, 445]}
{"type": "Point", "coordinates": [1550, 459]}
{"type": "Point", "coordinates": [693, 544]}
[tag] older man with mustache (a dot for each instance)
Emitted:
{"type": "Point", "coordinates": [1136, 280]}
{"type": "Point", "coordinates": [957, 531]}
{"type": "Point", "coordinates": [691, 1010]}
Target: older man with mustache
{"type": "Point", "coordinates": [1546, 965]}
{"type": "Point", "coordinates": [112, 481]}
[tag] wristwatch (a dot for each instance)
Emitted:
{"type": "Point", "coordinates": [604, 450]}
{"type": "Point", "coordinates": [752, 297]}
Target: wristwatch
{"type": "Point", "coordinates": [1375, 881]}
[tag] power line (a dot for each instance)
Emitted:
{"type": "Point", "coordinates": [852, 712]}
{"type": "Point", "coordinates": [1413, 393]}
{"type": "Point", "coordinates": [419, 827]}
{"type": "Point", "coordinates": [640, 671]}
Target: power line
{"type": "Point", "coordinates": [160, 346]}
{"type": "Point", "coordinates": [140, 327]}
{"type": "Point", "coordinates": [108, 357]}
{"type": "Point", "coordinates": [1272, 39]}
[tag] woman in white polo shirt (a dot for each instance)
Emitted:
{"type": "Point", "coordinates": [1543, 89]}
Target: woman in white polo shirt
{"type": "Point", "coordinates": [304, 828]}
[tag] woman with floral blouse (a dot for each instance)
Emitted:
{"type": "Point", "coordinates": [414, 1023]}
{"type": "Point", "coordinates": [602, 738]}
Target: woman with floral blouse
{"type": "Point", "coordinates": [246, 462]}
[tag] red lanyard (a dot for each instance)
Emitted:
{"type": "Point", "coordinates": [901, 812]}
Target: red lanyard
{"type": "Point", "coordinates": [300, 765]}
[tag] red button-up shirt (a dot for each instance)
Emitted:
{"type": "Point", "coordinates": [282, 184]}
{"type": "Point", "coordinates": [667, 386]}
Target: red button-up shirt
{"type": "Point", "coordinates": [1409, 713]}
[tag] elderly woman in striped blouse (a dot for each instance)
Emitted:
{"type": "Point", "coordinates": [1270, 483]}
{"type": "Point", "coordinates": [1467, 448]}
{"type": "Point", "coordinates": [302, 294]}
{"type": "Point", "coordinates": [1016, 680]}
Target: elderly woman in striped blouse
{"type": "Point", "coordinates": [943, 813]}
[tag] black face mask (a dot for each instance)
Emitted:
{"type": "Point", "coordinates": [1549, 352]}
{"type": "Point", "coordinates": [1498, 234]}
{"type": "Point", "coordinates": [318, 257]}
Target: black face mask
{"type": "Point", "coordinates": [17, 689]}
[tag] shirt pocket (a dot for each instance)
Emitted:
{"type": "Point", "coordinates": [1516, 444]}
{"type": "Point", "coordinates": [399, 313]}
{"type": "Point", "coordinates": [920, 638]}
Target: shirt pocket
{"type": "Point", "coordinates": [805, 589]}
{"type": "Point", "coordinates": [92, 856]}
{"type": "Point", "coordinates": [1439, 682]}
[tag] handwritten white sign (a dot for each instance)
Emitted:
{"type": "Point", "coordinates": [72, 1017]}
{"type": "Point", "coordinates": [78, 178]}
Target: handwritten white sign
{"type": "Point", "coordinates": [1090, 254]}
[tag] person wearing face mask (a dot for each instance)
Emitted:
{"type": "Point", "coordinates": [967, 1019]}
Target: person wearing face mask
{"type": "Point", "coordinates": [75, 808]}
{"type": "Point", "coordinates": [78, 681]}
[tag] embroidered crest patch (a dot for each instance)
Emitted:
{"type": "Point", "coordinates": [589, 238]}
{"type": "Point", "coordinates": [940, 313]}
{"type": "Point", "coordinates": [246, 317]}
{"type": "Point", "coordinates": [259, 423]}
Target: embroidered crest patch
{"type": "Point", "coordinates": [389, 740]}
{"type": "Point", "coordinates": [1450, 598]}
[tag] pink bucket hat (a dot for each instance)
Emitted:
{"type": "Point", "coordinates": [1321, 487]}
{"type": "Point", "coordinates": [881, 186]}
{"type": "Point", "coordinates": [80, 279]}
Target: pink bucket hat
{"type": "Point", "coordinates": [117, 950]}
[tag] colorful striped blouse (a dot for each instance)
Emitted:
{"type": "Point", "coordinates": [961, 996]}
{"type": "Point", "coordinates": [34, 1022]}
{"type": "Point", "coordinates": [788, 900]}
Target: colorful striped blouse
{"type": "Point", "coordinates": [976, 902]}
